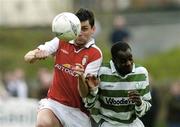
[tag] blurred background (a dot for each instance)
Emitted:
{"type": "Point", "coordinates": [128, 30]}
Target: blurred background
{"type": "Point", "coordinates": [151, 27]}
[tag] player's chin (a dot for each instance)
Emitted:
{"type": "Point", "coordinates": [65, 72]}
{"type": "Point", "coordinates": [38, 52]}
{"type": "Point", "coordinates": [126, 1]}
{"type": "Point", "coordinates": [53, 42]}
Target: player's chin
{"type": "Point", "coordinates": [127, 70]}
{"type": "Point", "coordinates": [80, 42]}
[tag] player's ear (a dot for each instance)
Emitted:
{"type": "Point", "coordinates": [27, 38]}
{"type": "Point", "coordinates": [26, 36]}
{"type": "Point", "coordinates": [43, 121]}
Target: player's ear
{"type": "Point", "coordinates": [93, 29]}
{"type": "Point", "coordinates": [113, 59]}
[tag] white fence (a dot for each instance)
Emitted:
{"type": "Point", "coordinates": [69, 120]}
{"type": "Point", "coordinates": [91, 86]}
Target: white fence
{"type": "Point", "coordinates": [17, 13]}
{"type": "Point", "coordinates": [16, 112]}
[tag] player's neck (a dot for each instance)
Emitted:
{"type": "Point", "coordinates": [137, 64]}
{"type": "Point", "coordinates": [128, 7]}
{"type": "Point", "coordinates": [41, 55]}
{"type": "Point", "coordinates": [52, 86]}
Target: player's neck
{"type": "Point", "coordinates": [77, 47]}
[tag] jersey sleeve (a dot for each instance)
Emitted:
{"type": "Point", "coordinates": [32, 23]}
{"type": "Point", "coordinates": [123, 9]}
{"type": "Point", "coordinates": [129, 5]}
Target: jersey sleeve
{"type": "Point", "coordinates": [146, 97]}
{"type": "Point", "coordinates": [95, 62]}
{"type": "Point", "coordinates": [50, 46]}
{"type": "Point", "coordinates": [93, 68]}
{"type": "Point", "coordinates": [91, 98]}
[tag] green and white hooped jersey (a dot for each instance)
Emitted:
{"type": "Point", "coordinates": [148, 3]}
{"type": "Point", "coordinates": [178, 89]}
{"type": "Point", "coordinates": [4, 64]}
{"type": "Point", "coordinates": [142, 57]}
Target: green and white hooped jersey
{"type": "Point", "coordinates": [111, 102]}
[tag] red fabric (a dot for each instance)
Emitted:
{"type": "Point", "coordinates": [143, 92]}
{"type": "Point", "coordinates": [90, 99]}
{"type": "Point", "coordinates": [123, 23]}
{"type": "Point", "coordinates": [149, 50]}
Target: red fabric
{"type": "Point", "coordinates": [64, 88]}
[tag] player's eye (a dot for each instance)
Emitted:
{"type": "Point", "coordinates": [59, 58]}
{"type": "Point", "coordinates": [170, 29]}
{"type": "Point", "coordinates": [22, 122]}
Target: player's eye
{"type": "Point", "coordinates": [131, 59]}
{"type": "Point", "coordinates": [84, 29]}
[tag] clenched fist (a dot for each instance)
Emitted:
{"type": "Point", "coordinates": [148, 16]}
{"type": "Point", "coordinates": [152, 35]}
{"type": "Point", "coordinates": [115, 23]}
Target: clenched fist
{"type": "Point", "coordinates": [34, 55]}
{"type": "Point", "coordinates": [134, 96]}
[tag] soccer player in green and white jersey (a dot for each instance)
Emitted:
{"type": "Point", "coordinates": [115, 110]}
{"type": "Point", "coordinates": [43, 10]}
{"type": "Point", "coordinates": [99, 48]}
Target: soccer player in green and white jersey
{"type": "Point", "coordinates": [122, 93]}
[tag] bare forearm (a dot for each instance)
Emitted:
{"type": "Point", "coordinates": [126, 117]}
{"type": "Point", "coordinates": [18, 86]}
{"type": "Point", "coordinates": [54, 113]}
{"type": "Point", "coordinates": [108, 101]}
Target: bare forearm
{"type": "Point", "coordinates": [82, 87]}
{"type": "Point", "coordinates": [35, 54]}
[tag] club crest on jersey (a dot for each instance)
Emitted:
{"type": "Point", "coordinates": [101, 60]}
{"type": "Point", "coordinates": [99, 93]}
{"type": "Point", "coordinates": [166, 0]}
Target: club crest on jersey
{"type": "Point", "coordinates": [84, 60]}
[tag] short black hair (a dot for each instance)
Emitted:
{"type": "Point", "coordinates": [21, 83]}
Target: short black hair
{"type": "Point", "coordinates": [119, 46]}
{"type": "Point", "coordinates": [84, 14]}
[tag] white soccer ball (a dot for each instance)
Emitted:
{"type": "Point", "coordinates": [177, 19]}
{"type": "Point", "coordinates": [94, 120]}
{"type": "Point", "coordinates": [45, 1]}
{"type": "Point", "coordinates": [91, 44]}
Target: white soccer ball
{"type": "Point", "coordinates": [66, 26]}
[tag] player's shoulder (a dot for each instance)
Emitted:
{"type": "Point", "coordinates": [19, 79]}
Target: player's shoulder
{"type": "Point", "coordinates": [91, 46]}
{"type": "Point", "coordinates": [107, 65]}
{"type": "Point", "coordinates": [140, 69]}
{"type": "Point", "coordinates": [105, 68]}
{"type": "Point", "coordinates": [95, 47]}
{"type": "Point", "coordinates": [95, 51]}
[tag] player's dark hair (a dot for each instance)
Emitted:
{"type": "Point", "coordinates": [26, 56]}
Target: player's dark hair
{"type": "Point", "coordinates": [84, 14]}
{"type": "Point", "coordinates": [119, 46]}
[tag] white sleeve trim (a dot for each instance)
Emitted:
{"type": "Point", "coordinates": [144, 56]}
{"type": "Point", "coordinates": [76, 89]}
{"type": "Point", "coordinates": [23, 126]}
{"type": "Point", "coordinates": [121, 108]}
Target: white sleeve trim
{"type": "Point", "coordinates": [140, 108]}
{"type": "Point", "coordinates": [93, 67]}
{"type": "Point", "coordinates": [143, 108]}
{"type": "Point", "coordinates": [50, 46]}
{"type": "Point", "coordinates": [94, 91]}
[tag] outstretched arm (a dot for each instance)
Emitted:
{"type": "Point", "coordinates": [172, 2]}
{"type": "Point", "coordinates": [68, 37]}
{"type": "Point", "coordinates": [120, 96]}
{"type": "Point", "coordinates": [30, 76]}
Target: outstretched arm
{"type": "Point", "coordinates": [35, 55]}
{"type": "Point", "coordinates": [43, 51]}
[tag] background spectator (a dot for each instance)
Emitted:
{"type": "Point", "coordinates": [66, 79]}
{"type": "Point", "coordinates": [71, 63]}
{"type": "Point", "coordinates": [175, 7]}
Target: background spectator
{"type": "Point", "coordinates": [44, 79]}
{"type": "Point", "coordinates": [3, 92]}
{"type": "Point", "coordinates": [119, 32]}
{"type": "Point", "coordinates": [15, 83]}
{"type": "Point", "coordinates": [173, 106]}
{"type": "Point", "coordinates": [150, 118]}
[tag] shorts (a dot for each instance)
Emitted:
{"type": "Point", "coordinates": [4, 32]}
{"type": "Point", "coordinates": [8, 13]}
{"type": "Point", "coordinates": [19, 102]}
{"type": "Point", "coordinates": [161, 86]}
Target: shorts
{"type": "Point", "coordinates": [68, 116]}
{"type": "Point", "coordinates": [135, 123]}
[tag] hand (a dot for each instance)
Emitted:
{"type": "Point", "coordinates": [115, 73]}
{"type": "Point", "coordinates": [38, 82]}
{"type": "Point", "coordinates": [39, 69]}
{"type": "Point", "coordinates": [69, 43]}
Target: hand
{"type": "Point", "coordinates": [92, 81]}
{"type": "Point", "coordinates": [134, 96]}
{"type": "Point", "coordinates": [79, 69]}
{"type": "Point", "coordinates": [34, 55]}
{"type": "Point", "coordinates": [82, 86]}
{"type": "Point", "coordinates": [30, 57]}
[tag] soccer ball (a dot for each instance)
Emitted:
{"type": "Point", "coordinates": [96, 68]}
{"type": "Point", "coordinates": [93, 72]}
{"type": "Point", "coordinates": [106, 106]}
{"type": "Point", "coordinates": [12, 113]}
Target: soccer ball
{"type": "Point", "coordinates": [66, 26]}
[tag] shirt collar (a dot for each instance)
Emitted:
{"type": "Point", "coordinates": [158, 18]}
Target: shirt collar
{"type": "Point", "coordinates": [90, 42]}
{"type": "Point", "coordinates": [113, 69]}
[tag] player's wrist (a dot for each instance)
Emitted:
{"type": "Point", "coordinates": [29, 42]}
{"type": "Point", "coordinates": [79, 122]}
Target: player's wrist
{"type": "Point", "coordinates": [139, 107]}
{"type": "Point", "coordinates": [93, 90]}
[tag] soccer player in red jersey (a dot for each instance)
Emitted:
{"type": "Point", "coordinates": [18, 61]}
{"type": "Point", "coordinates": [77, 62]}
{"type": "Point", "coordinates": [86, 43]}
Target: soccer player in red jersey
{"type": "Point", "coordinates": [63, 106]}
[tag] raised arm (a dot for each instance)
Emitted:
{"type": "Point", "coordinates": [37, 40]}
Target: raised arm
{"type": "Point", "coordinates": [42, 51]}
{"type": "Point", "coordinates": [142, 98]}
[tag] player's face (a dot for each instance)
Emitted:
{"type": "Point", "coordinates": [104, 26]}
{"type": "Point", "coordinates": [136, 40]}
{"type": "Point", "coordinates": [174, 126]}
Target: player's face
{"type": "Point", "coordinates": [124, 62]}
{"type": "Point", "coordinates": [86, 33]}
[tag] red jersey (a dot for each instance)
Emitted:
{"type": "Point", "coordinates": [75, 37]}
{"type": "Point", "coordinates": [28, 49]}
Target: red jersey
{"type": "Point", "coordinates": [64, 88]}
